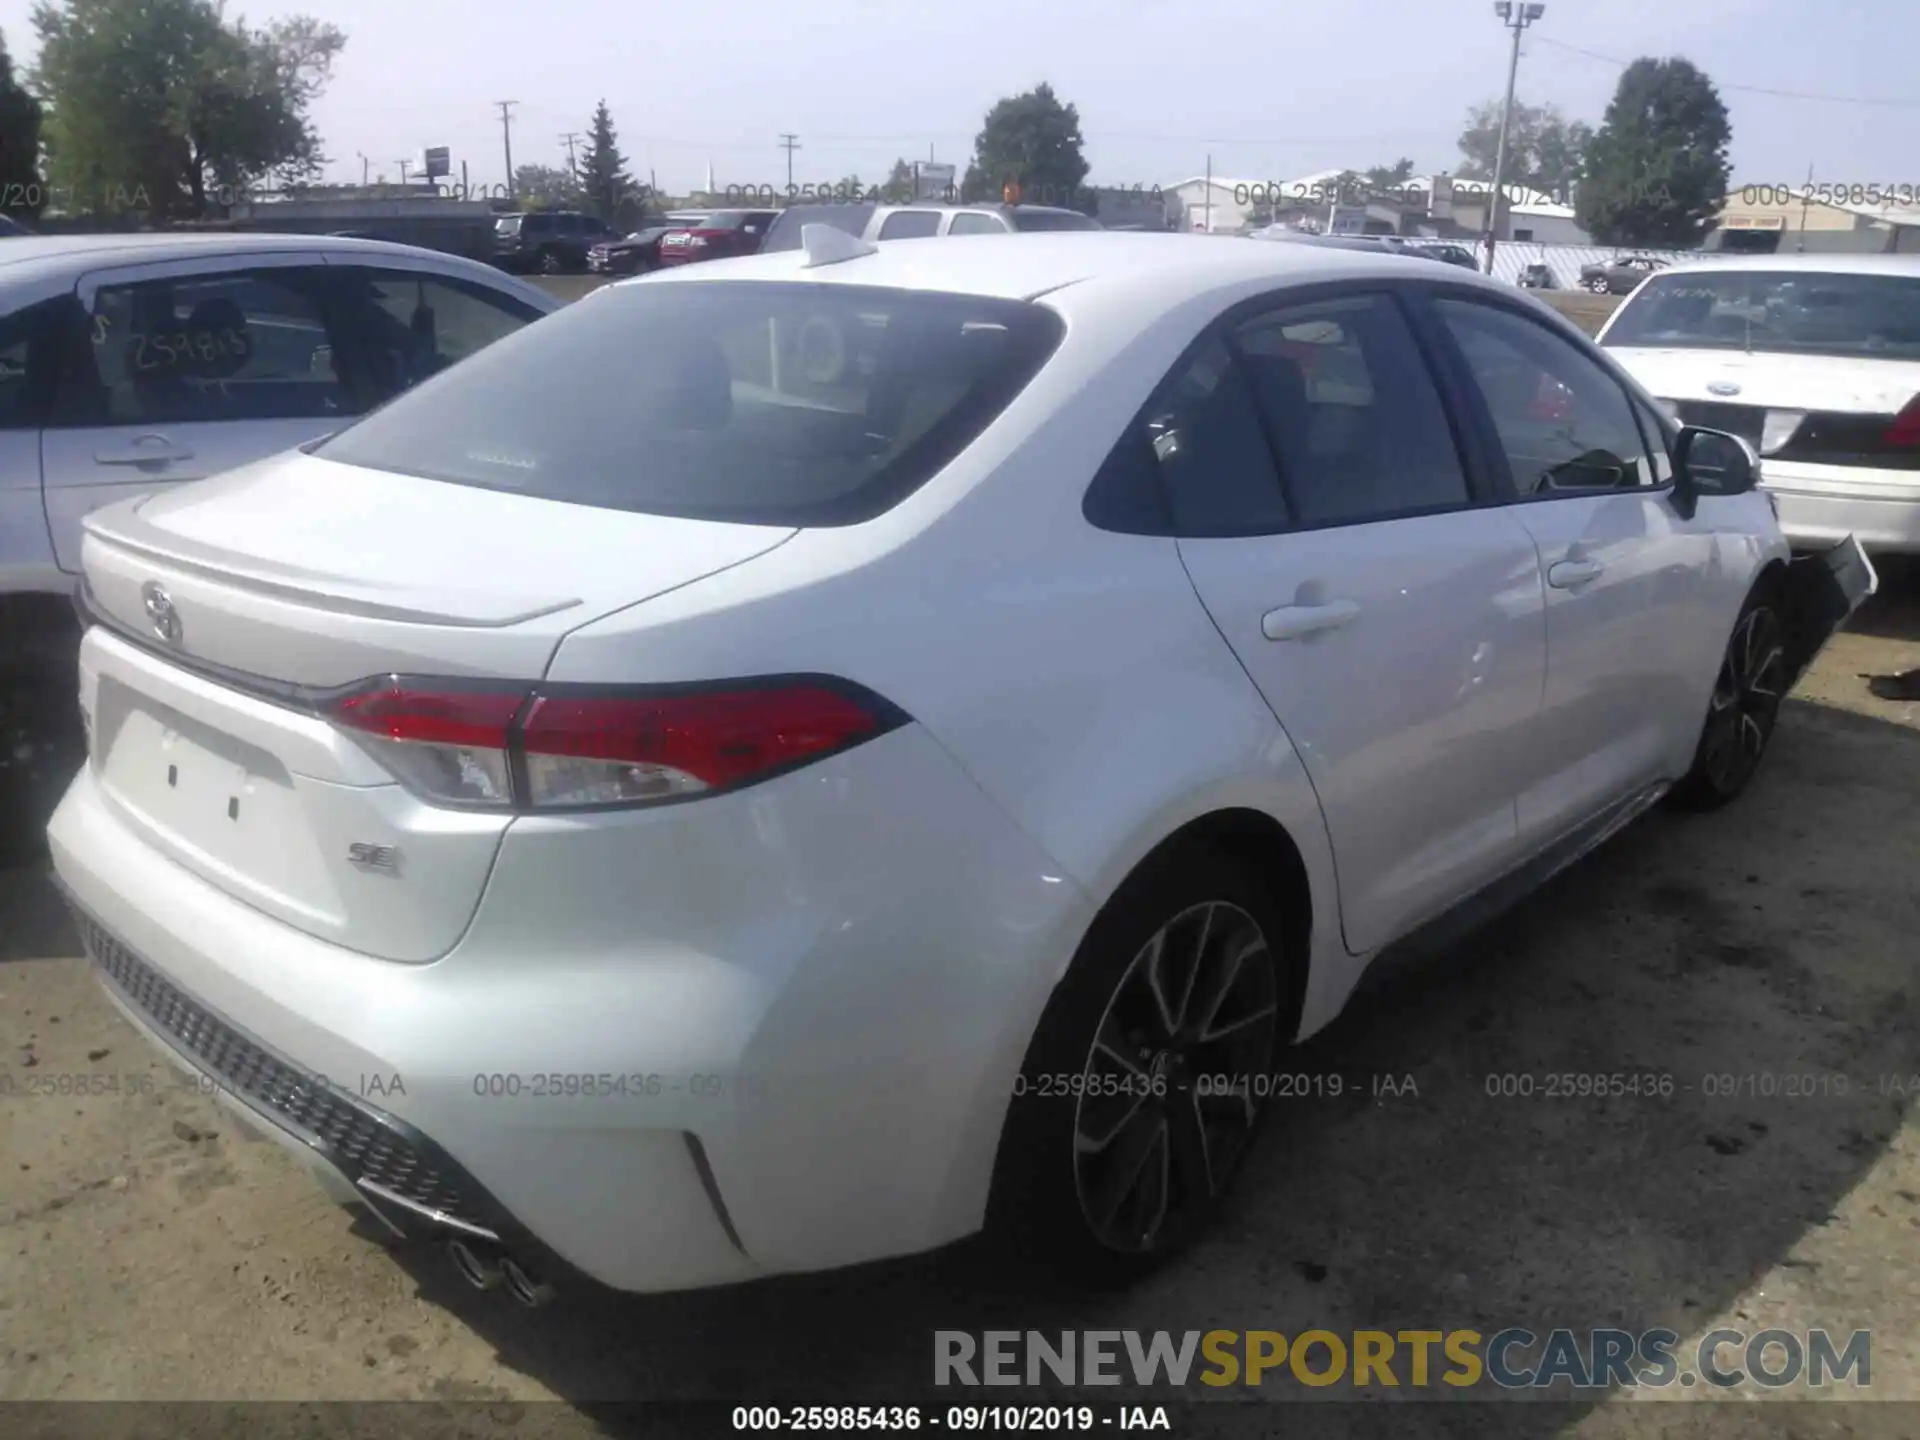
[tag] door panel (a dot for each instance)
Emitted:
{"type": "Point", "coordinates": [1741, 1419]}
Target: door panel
{"type": "Point", "coordinates": [1626, 577]}
{"type": "Point", "coordinates": [1406, 702]}
{"type": "Point", "coordinates": [191, 368]}
{"type": "Point", "coordinates": [1394, 628]}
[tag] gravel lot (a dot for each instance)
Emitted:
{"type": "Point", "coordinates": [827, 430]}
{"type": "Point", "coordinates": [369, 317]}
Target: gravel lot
{"type": "Point", "coordinates": [148, 1250]}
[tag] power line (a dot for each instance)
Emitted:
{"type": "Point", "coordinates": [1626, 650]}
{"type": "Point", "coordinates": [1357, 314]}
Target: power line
{"type": "Point", "coordinates": [1746, 89]}
{"type": "Point", "coordinates": [506, 138]}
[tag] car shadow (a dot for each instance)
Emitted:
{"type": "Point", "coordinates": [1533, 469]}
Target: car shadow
{"type": "Point", "coordinates": [1424, 1172]}
{"type": "Point", "coordinates": [38, 926]}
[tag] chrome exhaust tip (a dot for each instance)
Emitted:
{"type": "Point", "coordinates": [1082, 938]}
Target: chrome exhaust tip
{"type": "Point", "coordinates": [480, 1268]}
{"type": "Point", "coordinates": [522, 1285]}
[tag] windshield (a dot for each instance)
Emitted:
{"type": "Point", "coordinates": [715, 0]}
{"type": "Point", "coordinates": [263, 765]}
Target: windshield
{"type": "Point", "coordinates": [1791, 311]}
{"type": "Point", "coordinates": [781, 404]}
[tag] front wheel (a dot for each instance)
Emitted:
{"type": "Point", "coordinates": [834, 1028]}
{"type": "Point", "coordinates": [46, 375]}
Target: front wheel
{"type": "Point", "coordinates": [1743, 710]}
{"type": "Point", "coordinates": [1600, 287]}
{"type": "Point", "coordinates": [1144, 1083]}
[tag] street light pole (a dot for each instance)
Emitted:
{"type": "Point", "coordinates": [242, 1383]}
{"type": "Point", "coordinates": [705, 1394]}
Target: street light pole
{"type": "Point", "coordinates": [1516, 18]}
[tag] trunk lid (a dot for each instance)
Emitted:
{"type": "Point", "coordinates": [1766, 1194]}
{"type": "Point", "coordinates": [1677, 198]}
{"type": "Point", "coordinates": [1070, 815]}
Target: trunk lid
{"type": "Point", "coordinates": [1841, 384]}
{"type": "Point", "coordinates": [226, 603]}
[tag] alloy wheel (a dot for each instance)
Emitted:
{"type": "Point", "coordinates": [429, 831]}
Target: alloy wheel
{"type": "Point", "coordinates": [1169, 1103]}
{"type": "Point", "coordinates": [1746, 701]}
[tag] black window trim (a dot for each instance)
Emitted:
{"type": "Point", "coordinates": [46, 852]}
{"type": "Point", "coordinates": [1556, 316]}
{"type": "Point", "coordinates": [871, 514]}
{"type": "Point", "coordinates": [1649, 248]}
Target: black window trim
{"type": "Point", "coordinates": [1550, 323]}
{"type": "Point", "coordinates": [1482, 480]}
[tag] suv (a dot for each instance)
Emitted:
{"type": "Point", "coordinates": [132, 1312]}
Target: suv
{"type": "Point", "coordinates": [553, 242]}
{"type": "Point", "coordinates": [130, 363]}
{"type": "Point", "coordinates": [721, 235]}
{"type": "Point", "coordinates": [869, 221]}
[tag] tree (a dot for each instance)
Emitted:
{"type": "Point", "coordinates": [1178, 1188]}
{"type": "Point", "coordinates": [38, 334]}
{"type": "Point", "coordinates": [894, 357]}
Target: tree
{"type": "Point", "coordinates": [1657, 169]}
{"type": "Point", "coordinates": [1544, 149]}
{"type": "Point", "coordinates": [1034, 140]}
{"type": "Point", "coordinates": [546, 187]}
{"type": "Point", "coordinates": [1385, 179]}
{"type": "Point", "coordinates": [899, 186]}
{"type": "Point", "coordinates": [20, 189]}
{"type": "Point", "coordinates": [604, 183]}
{"type": "Point", "coordinates": [164, 106]}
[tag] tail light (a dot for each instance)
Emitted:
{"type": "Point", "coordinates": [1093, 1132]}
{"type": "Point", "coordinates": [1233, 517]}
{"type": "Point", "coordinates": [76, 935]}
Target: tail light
{"type": "Point", "coordinates": [565, 747]}
{"type": "Point", "coordinates": [1904, 433]}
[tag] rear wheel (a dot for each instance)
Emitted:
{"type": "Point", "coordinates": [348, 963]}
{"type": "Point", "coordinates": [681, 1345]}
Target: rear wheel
{"type": "Point", "coordinates": [1744, 708]}
{"type": "Point", "coordinates": [1142, 1089]}
{"type": "Point", "coordinates": [1600, 286]}
{"type": "Point", "coordinates": [550, 262]}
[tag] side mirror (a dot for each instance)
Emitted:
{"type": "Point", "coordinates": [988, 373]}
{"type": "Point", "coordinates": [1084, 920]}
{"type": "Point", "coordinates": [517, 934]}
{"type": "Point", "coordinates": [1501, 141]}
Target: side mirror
{"type": "Point", "coordinates": [1711, 462]}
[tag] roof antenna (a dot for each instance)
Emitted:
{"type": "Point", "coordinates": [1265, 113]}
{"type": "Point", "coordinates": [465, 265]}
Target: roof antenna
{"type": "Point", "coordinates": [829, 245]}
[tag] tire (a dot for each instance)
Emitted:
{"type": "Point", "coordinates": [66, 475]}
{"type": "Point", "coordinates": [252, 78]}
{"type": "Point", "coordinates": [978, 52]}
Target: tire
{"type": "Point", "coordinates": [42, 747]}
{"type": "Point", "coordinates": [1743, 710]}
{"type": "Point", "coordinates": [1065, 1196]}
{"type": "Point", "coordinates": [550, 263]}
{"type": "Point", "coordinates": [1600, 287]}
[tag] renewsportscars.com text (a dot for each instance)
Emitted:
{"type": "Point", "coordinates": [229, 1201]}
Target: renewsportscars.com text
{"type": "Point", "coordinates": [1515, 1358]}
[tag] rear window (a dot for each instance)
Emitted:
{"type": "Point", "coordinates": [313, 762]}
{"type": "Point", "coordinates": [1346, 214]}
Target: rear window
{"type": "Point", "coordinates": [1786, 311]}
{"type": "Point", "coordinates": [772, 404]}
{"type": "Point", "coordinates": [727, 219]}
{"type": "Point", "coordinates": [784, 234]}
{"type": "Point", "coordinates": [508, 224]}
{"type": "Point", "coordinates": [1052, 220]}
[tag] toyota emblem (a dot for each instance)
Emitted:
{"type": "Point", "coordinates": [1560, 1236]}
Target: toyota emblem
{"type": "Point", "coordinates": [160, 612]}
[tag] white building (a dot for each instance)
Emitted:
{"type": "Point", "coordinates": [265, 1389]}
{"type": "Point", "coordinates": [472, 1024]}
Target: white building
{"type": "Point", "coordinates": [1219, 204]}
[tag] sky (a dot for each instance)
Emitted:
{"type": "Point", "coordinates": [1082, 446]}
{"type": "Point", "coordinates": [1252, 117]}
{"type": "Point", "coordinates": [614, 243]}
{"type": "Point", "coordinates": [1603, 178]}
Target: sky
{"type": "Point", "coordinates": [1268, 91]}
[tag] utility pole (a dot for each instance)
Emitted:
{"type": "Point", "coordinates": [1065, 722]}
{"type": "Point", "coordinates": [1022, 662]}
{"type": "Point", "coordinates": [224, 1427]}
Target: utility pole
{"type": "Point", "coordinates": [366, 166]}
{"type": "Point", "coordinates": [403, 170]}
{"type": "Point", "coordinates": [789, 143]}
{"type": "Point", "coordinates": [506, 139]}
{"type": "Point", "coordinates": [567, 140]}
{"type": "Point", "coordinates": [1516, 18]}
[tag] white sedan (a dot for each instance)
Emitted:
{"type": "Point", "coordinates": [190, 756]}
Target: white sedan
{"type": "Point", "coordinates": [793, 761]}
{"type": "Point", "coordinates": [1814, 360]}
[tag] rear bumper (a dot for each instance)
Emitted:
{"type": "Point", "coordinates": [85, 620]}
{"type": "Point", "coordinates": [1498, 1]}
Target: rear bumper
{"type": "Point", "coordinates": [1822, 504]}
{"type": "Point", "coordinates": [772, 1031]}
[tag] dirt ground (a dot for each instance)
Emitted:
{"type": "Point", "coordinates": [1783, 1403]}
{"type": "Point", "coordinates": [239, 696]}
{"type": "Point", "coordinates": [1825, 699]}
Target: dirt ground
{"type": "Point", "coordinates": [149, 1251]}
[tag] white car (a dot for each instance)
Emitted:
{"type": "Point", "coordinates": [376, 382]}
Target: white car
{"type": "Point", "coordinates": [129, 363]}
{"type": "Point", "coordinates": [1813, 359]}
{"type": "Point", "coordinates": [833, 750]}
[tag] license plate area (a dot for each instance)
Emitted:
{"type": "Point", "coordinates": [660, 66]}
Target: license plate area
{"type": "Point", "coordinates": [219, 804]}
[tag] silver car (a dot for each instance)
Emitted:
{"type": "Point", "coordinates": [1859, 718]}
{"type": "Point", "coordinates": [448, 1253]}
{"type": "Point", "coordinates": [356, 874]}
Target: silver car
{"type": "Point", "coordinates": [136, 362]}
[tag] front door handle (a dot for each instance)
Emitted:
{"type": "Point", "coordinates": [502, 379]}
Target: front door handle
{"type": "Point", "coordinates": [144, 450]}
{"type": "Point", "coordinates": [1293, 622]}
{"type": "Point", "coordinates": [1572, 574]}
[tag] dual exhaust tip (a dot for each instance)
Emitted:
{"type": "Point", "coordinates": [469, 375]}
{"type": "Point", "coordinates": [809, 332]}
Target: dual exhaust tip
{"type": "Point", "coordinates": [486, 1267]}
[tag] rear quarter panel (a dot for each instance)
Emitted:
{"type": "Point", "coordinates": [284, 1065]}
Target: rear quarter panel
{"type": "Point", "coordinates": [1072, 673]}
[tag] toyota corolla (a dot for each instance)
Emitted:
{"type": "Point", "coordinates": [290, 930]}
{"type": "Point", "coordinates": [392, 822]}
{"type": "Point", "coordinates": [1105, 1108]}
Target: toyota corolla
{"type": "Point", "coordinates": [801, 759]}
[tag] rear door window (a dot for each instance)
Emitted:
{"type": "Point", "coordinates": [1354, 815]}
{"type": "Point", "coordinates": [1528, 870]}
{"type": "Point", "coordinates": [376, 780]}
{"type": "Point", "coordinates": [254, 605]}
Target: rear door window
{"type": "Point", "coordinates": [910, 225]}
{"type": "Point", "coordinates": [777, 404]}
{"type": "Point", "coordinates": [1353, 412]}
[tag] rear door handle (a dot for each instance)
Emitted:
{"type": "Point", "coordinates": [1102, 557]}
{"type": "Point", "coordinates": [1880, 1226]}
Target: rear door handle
{"type": "Point", "coordinates": [1572, 574]}
{"type": "Point", "coordinates": [1292, 622]}
{"type": "Point", "coordinates": [143, 450]}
